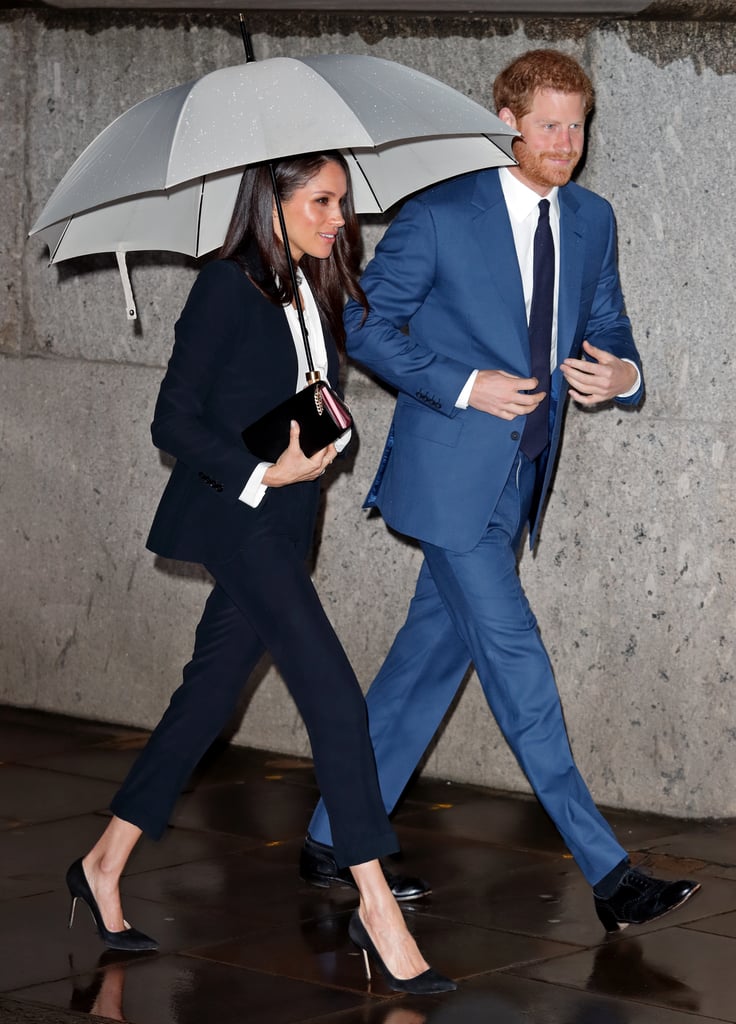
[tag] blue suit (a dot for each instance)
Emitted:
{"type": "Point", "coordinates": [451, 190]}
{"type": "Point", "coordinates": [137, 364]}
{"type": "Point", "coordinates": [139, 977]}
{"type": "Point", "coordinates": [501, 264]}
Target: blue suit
{"type": "Point", "coordinates": [455, 479]}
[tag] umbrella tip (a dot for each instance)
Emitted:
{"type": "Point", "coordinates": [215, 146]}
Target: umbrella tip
{"type": "Point", "coordinates": [249, 55]}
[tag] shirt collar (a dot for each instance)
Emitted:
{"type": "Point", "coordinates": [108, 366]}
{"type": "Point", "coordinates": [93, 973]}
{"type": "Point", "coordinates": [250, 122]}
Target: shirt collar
{"type": "Point", "coordinates": [522, 200]}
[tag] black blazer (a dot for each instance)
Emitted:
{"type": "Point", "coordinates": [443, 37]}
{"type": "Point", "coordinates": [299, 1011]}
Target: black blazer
{"type": "Point", "coordinates": [233, 360]}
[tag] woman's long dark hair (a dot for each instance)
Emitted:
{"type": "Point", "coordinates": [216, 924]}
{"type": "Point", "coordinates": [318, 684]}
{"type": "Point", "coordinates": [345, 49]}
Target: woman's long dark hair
{"type": "Point", "coordinates": [252, 242]}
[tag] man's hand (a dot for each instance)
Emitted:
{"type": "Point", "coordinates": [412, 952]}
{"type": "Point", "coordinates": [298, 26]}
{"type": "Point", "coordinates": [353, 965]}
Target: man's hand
{"type": "Point", "coordinates": [501, 394]}
{"type": "Point", "coordinates": [592, 383]}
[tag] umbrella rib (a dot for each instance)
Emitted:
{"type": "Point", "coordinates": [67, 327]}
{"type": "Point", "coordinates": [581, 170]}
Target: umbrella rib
{"type": "Point", "coordinates": [199, 215]}
{"type": "Point", "coordinates": [52, 255]}
{"type": "Point", "coordinates": [379, 204]}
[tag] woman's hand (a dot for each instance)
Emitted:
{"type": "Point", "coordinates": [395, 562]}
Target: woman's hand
{"type": "Point", "coordinates": [293, 466]}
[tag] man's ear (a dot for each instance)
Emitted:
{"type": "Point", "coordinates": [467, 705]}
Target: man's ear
{"type": "Point", "coordinates": [507, 116]}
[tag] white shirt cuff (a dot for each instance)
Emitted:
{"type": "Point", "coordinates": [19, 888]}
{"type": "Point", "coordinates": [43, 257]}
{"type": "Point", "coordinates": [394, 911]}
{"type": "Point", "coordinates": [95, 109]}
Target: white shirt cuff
{"type": "Point", "coordinates": [464, 396]}
{"type": "Point", "coordinates": [344, 440]}
{"type": "Point", "coordinates": [637, 385]}
{"type": "Point", "coordinates": [254, 490]}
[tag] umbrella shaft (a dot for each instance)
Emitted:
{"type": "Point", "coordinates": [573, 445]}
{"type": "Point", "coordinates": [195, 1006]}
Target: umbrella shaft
{"type": "Point", "coordinates": [290, 264]}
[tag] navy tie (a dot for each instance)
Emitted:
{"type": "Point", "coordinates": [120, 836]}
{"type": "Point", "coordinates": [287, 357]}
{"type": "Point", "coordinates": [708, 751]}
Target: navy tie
{"type": "Point", "coordinates": [536, 429]}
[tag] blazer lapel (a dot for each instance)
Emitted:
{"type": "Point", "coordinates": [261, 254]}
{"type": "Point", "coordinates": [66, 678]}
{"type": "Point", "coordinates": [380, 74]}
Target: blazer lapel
{"type": "Point", "coordinates": [493, 236]}
{"type": "Point", "coordinates": [572, 258]}
{"type": "Point", "coordinates": [495, 241]}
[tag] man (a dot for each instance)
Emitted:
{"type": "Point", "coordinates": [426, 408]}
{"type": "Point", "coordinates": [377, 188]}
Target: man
{"type": "Point", "coordinates": [507, 281]}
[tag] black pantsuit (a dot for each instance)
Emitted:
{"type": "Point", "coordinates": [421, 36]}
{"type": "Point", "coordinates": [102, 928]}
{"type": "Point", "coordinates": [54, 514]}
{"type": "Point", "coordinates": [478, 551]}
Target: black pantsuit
{"type": "Point", "coordinates": [264, 599]}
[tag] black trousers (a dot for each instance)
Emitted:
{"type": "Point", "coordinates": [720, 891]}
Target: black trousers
{"type": "Point", "coordinates": [264, 599]}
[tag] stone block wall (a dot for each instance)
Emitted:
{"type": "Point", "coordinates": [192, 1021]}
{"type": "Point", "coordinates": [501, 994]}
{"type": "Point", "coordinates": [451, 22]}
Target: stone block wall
{"type": "Point", "coordinates": [633, 580]}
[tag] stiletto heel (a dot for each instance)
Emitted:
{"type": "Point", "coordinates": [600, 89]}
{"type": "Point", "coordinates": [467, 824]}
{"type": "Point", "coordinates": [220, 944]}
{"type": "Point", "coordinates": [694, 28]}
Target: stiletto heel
{"type": "Point", "coordinates": [130, 939]}
{"type": "Point", "coordinates": [426, 983]}
{"type": "Point", "coordinates": [71, 911]}
{"type": "Point", "coordinates": [366, 964]}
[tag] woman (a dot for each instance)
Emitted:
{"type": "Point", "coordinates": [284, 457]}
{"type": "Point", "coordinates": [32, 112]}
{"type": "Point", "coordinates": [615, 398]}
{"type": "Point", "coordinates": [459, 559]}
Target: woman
{"type": "Point", "coordinates": [237, 354]}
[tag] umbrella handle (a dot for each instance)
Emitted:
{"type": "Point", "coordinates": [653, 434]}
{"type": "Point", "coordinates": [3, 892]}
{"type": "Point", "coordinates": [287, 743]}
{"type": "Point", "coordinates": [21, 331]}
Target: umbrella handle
{"type": "Point", "coordinates": [127, 288]}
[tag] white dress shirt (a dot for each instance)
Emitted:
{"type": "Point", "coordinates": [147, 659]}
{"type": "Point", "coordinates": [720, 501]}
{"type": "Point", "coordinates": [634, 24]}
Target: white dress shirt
{"type": "Point", "coordinates": [522, 204]}
{"type": "Point", "coordinates": [254, 490]}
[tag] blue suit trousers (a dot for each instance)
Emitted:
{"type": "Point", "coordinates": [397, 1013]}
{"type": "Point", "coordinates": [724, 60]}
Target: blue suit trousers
{"type": "Point", "coordinates": [471, 607]}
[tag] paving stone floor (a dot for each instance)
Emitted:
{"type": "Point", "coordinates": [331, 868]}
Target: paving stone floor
{"type": "Point", "coordinates": [244, 940]}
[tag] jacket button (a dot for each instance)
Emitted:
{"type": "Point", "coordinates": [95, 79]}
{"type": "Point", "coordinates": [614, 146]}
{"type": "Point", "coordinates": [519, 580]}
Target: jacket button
{"type": "Point", "coordinates": [514, 435]}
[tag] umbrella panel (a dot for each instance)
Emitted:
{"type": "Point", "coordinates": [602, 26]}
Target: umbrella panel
{"type": "Point", "coordinates": [191, 219]}
{"type": "Point", "coordinates": [386, 174]}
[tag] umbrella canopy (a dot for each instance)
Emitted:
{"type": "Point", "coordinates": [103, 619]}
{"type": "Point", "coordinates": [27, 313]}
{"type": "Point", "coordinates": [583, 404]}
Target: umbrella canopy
{"type": "Point", "coordinates": [165, 174]}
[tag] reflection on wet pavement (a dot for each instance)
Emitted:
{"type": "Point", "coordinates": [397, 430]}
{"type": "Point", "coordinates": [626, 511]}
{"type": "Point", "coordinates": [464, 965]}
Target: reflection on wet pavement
{"type": "Point", "coordinates": [244, 940]}
{"type": "Point", "coordinates": [620, 969]}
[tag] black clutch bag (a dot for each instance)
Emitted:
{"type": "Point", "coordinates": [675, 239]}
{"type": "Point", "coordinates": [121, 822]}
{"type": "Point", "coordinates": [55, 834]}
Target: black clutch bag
{"type": "Point", "coordinates": [320, 413]}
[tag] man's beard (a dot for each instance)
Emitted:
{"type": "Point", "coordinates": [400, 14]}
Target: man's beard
{"type": "Point", "coordinates": [535, 168]}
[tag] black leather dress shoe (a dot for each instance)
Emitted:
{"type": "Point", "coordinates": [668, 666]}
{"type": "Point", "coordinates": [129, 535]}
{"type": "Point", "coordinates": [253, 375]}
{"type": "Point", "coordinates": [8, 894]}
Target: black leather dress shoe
{"type": "Point", "coordinates": [317, 865]}
{"type": "Point", "coordinates": [639, 898]}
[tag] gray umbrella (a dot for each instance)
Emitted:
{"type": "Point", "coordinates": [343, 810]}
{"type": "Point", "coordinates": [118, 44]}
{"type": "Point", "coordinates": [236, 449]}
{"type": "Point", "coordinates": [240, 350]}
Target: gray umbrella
{"type": "Point", "coordinates": [165, 174]}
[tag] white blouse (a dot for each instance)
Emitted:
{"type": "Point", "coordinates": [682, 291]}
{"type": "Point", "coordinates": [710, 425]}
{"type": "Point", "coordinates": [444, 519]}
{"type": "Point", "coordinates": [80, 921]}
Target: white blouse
{"type": "Point", "coordinates": [254, 490]}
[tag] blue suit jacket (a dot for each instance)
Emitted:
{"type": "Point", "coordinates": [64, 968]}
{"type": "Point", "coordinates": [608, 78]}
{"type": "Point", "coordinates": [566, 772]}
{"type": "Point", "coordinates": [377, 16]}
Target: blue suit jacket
{"type": "Point", "coordinates": [446, 297]}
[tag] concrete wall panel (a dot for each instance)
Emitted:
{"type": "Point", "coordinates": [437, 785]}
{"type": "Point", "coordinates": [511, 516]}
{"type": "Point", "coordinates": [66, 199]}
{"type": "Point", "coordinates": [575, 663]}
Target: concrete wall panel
{"type": "Point", "coordinates": [633, 580]}
{"type": "Point", "coordinates": [12, 177]}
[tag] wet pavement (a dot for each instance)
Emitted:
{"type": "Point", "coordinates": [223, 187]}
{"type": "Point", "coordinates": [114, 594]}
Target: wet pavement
{"type": "Point", "coordinates": [244, 940]}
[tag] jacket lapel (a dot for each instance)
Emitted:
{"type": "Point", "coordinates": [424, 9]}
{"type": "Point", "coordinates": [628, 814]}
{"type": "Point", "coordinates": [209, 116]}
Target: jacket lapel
{"type": "Point", "coordinates": [572, 258]}
{"type": "Point", "coordinates": [497, 253]}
